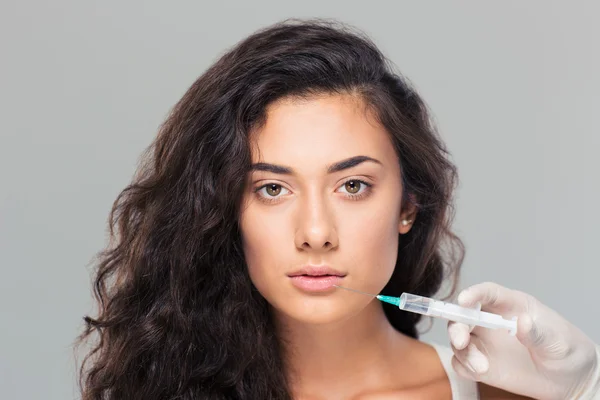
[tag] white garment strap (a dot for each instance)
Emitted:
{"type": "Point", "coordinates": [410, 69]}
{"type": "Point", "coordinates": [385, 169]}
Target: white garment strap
{"type": "Point", "coordinates": [462, 389]}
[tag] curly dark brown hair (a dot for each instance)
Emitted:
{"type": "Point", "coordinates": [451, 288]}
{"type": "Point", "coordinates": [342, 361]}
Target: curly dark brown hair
{"type": "Point", "coordinates": [178, 315]}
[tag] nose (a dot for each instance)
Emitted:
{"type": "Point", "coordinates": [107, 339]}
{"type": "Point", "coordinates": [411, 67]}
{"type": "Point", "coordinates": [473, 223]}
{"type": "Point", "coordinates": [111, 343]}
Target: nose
{"type": "Point", "coordinates": [316, 228]}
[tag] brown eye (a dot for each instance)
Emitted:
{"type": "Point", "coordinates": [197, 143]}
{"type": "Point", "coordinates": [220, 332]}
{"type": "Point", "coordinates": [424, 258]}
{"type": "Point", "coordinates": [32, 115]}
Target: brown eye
{"type": "Point", "coordinates": [273, 190]}
{"type": "Point", "coordinates": [352, 186]}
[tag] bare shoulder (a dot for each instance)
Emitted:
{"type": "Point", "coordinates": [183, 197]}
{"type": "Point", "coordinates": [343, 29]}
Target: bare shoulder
{"type": "Point", "coordinates": [487, 392]}
{"type": "Point", "coordinates": [423, 360]}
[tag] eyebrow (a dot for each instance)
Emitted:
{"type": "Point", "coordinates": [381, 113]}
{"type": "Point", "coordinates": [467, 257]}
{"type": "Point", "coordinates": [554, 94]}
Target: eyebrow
{"type": "Point", "coordinates": [338, 166]}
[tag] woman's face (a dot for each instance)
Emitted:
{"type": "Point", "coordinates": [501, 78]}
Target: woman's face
{"type": "Point", "coordinates": [322, 207]}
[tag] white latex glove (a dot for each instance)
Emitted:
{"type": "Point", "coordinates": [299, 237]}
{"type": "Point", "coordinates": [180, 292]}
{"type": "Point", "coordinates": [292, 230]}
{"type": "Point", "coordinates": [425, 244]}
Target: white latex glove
{"type": "Point", "coordinates": [549, 358]}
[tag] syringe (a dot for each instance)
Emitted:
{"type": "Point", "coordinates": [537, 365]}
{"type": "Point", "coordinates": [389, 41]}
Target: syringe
{"type": "Point", "coordinates": [453, 312]}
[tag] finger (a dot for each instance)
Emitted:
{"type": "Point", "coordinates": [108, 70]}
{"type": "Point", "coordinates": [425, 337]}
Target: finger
{"type": "Point", "coordinates": [462, 370]}
{"type": "Point", "coordinates": [459, 335]}
{"type": "Point", "coordinates": [525, 330]}
{"type": "Point", "coordinates": [489, 294]}
{"type": "Point", "coordinates": [535, 338]}
{"type": "Point", "coordinates": [472, 359]}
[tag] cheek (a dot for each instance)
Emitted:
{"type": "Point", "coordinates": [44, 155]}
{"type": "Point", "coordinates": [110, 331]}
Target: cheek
{"type": "Point", "coordinates": [372, 237]}
{"type": "Point", "coordinates": [265, 243]}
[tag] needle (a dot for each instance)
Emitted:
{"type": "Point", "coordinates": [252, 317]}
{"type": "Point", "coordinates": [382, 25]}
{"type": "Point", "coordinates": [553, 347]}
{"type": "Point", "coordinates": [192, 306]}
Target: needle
{"type": "Point", "coordinates": [386, 299]}
{"type": "Point", "coordinates": [354, 290]}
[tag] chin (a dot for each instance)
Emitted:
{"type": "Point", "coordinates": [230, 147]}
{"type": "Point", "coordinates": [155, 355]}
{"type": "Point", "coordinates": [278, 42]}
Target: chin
{"type": "Point", "coordinates": [315, 311]}
{"type": "Point", "coordinates": [314, 318]}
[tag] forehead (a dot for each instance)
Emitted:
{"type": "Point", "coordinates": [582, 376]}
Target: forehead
{"type": "Point", "coordinates": [320, 130]}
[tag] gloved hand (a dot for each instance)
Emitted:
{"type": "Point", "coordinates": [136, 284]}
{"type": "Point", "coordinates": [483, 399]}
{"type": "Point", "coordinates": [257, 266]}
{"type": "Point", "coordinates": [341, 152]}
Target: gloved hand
{"type": "Point", "coordinates": [549, 358]}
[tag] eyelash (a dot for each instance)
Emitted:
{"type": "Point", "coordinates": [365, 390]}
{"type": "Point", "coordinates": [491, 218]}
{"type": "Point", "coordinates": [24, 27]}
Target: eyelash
{"type": "Point", "coordinates": [353, 197]}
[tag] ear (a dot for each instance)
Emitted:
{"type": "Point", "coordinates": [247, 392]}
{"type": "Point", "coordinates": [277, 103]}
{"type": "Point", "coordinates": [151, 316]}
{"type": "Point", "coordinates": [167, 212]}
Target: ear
{"type": "Point", "coordinates": [408, 214]}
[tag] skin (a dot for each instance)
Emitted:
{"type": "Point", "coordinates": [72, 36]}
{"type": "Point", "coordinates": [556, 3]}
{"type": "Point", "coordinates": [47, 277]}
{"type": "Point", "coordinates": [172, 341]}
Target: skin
{"type": "Point", "coordinates": [338, 344]}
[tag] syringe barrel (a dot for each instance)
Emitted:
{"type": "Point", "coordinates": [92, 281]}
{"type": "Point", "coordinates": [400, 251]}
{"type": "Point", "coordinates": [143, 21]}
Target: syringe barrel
{"type": "Point", "coordinates": [416, 304]}
{"type": "Point", "coordinates": [436, 308]}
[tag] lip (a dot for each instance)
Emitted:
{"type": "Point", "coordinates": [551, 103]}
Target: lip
{"type": "Point", "coordinates": [322, 283]}
{"type": "Point", "coordinates": [316, 279]}
{"type": "Point", "coordinates": [314, 271]}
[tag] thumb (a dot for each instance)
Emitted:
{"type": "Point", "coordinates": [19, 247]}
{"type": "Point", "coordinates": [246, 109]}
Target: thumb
{"type": "Point", "coordinates": [529, 333]}
{"type": "Point", "coordinates": [540, 339]}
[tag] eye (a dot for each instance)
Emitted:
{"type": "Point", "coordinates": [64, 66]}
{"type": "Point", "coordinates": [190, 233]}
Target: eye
{"type": "Point", "coordinates": [272, 190]}
{"type": "Point", "coordinates": [354, 187]}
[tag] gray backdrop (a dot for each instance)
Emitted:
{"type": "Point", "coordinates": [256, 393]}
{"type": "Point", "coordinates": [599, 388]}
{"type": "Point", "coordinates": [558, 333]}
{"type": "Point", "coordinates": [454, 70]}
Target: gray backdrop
{"type": "Point", "coordinates": [84, 85]}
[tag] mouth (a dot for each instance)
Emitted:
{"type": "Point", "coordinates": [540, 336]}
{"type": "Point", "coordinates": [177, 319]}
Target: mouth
{"type": "Point", "coordinates": [316, 279]}
{"type": "Point", "coordinates": [317, 272]}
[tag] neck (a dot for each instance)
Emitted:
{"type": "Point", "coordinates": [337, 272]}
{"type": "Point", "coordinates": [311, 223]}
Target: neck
{"type": "Point", "coordinates": [331, 357]}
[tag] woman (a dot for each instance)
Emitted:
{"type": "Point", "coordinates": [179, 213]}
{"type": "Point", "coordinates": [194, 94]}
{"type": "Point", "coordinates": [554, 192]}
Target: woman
{"type": "Point", "coordinates": [299, 160]}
